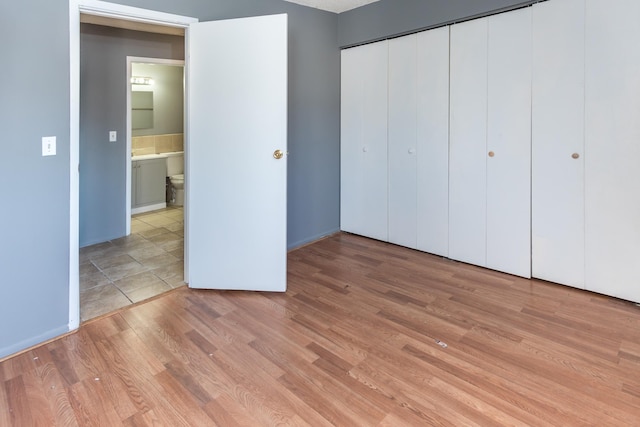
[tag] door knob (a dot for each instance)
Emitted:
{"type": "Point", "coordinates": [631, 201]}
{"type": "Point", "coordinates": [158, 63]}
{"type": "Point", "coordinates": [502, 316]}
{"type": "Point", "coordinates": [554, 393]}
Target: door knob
{"type": "Point", "coordinates": [412, 150]}
{"type": "Point", "coordinates": [278, 154]}
{"type": "Point", "coordinates": [491, 154]}
{"type": "Point", "coordinates": [575, 156]}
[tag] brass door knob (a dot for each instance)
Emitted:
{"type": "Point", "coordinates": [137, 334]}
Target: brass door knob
{"type": "Point", "coordinates": [278, 154]}
{"type": "Point", "coordinates": [575, 156]}
{"type": "Point", "coordinates": [491, 154]}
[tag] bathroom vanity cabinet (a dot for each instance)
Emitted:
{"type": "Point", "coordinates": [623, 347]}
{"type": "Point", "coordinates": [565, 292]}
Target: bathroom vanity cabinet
{"type": "Point", "coordinates": [148, 181]}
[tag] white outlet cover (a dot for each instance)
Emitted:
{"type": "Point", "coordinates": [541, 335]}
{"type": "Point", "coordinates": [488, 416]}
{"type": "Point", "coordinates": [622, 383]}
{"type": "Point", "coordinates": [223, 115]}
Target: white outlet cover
{"type": "Point", "coordinates": [48, 145]}
{"type": "Point", "coordinates": [113, 136]}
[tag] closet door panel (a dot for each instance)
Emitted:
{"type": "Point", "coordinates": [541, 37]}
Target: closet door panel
{"type": "Point", "coordinates": [509, 143]}
{"type": "Point", "coordinates": [468, 127]}
{"type": "Point", "coordinates": [364, 141]}
{"type": "Point", "coordinates": [558, 137]}
{"type": "Point", "coordinates": [433, 141]}
{"type": "Point", "coordinates": [612, 148]}
{"type": "Point", "coordinates": [351, 178]}
{"type": "Point", "coordinates": [402, 141]}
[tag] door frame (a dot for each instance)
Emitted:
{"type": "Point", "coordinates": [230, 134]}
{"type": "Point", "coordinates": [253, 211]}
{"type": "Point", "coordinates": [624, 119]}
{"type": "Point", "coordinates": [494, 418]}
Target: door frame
{"type": "Point", "coordinates": [117, 11]}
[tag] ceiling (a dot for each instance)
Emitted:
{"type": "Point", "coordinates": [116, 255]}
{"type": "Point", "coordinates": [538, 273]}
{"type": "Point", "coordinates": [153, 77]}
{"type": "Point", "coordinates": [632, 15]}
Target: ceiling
{"type": "Point", "coordinates": [336, 6]}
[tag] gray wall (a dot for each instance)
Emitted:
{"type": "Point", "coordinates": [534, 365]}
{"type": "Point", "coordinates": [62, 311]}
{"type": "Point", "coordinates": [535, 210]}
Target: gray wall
{"type": "Point", "coordinates": [388, 18]}
{"type": "Point", "coordinates": [34, 102]}
{"type": "Point", "coordinates": [168, 98]}
{"type": "Point", "coordinates": [103, 99]}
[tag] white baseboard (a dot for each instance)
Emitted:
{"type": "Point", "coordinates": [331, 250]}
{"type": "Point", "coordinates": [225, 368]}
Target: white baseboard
{"type": "Point", "coordinates": [143, 209]}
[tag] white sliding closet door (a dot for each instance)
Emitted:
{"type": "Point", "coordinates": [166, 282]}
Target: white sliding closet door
{"type": "Point", "coordinates": [509, 143]}
{"type": "Point", "coordinates": [490, 143]}
{"type": "Point", "coordinates": [468, 142]}
{"type": "Point", "coordinates": [403, 76]}
{"type": "Point", "coordinates": [612, 157]}
{"type": "Point", "coordinates": [433, 141]}
{"type": "Point", "coordinates": [364, 141]}
{"type": "Point", "coordinates": [558, 142]}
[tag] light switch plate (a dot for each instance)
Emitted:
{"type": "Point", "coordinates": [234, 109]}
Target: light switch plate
{"type": "Point", "coordinates": [48, 145]}
{"type": "Point", "coordinates": [113, 136]}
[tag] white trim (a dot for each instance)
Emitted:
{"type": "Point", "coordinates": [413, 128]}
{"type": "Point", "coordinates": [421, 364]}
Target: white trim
{"type": "Point", "coordinates": [112, 10]}
{"type": "Point", "coordinates": [129, 13]}
{"type": "Point", "coordinates": [138, 60]}
{"type": "Point", "coordinates": [74, 165]}
{"type": "Point", "coordinates": [187, 149]}
{"type": "Point", "coordinates": [149, 208]}
{"type": "Point", "coordinates": [127, 179]}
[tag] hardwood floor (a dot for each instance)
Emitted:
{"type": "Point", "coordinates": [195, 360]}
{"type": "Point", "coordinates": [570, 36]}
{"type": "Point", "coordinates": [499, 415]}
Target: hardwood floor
{"type": "Point", "coordinates": [368, 334]}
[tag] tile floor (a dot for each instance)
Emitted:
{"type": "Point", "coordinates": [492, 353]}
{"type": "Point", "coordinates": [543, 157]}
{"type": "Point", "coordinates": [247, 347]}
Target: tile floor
{"type": "Point", "coordinates": [142, 265]}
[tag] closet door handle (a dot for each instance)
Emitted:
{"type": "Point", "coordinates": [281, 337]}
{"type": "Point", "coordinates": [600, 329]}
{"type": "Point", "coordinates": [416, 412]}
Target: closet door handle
{"type": "Point", "coordinates": [412, 151]}
{"type": "Point", "coordinates": [575, 156]}
{"type": "Point", "coordinates": [492, 154]}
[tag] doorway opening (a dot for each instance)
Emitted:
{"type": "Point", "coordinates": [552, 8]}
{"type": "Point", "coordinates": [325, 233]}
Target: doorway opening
{"type": "Point", "coordinates": [148, 260]}
{"type": "Point", "coordinates": [155, 134]}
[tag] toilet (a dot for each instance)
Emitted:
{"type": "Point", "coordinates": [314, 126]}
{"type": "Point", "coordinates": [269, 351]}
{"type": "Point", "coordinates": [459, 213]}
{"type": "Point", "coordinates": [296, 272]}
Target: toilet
{"type": "Point", "coordinates": [175, 172]}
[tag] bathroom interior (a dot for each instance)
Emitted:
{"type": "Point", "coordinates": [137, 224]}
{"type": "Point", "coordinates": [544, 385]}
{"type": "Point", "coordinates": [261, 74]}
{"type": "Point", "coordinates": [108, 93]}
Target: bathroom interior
{"type": "Point", "coordinates": [150, 260]}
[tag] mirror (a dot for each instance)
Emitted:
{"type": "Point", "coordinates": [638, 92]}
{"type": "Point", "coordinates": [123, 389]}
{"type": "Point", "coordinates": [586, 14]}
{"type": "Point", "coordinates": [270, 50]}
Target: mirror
{"type": "Point", "coordinates": [141, 110]}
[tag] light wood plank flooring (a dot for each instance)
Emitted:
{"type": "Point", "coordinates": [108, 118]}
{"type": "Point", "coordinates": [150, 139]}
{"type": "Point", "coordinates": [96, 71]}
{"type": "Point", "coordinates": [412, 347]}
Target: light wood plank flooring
{"type": "Point", "coordinates": [368, 334]}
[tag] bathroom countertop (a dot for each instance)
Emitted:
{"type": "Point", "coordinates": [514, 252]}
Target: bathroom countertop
{"type": "Point", "coordinates": [156, 156]}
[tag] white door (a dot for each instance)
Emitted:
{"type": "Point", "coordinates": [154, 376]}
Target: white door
{"type": "Point", "coordinates": [468, 143]}
{"type": "Point", "coordinates": [403, 76]}
{"type": "Point", "coordinates": [557, 190]}
{"type": "Point", "coordinates": [509, 143]}
{"type": "Point", "coordinates": [363, 141]}
{"type": "Point", "coordinates": [236, 188]}
{"type": "Point", "coordinates": [433, 141]}
{"type": "Point", "coordinates": [612, 144]}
